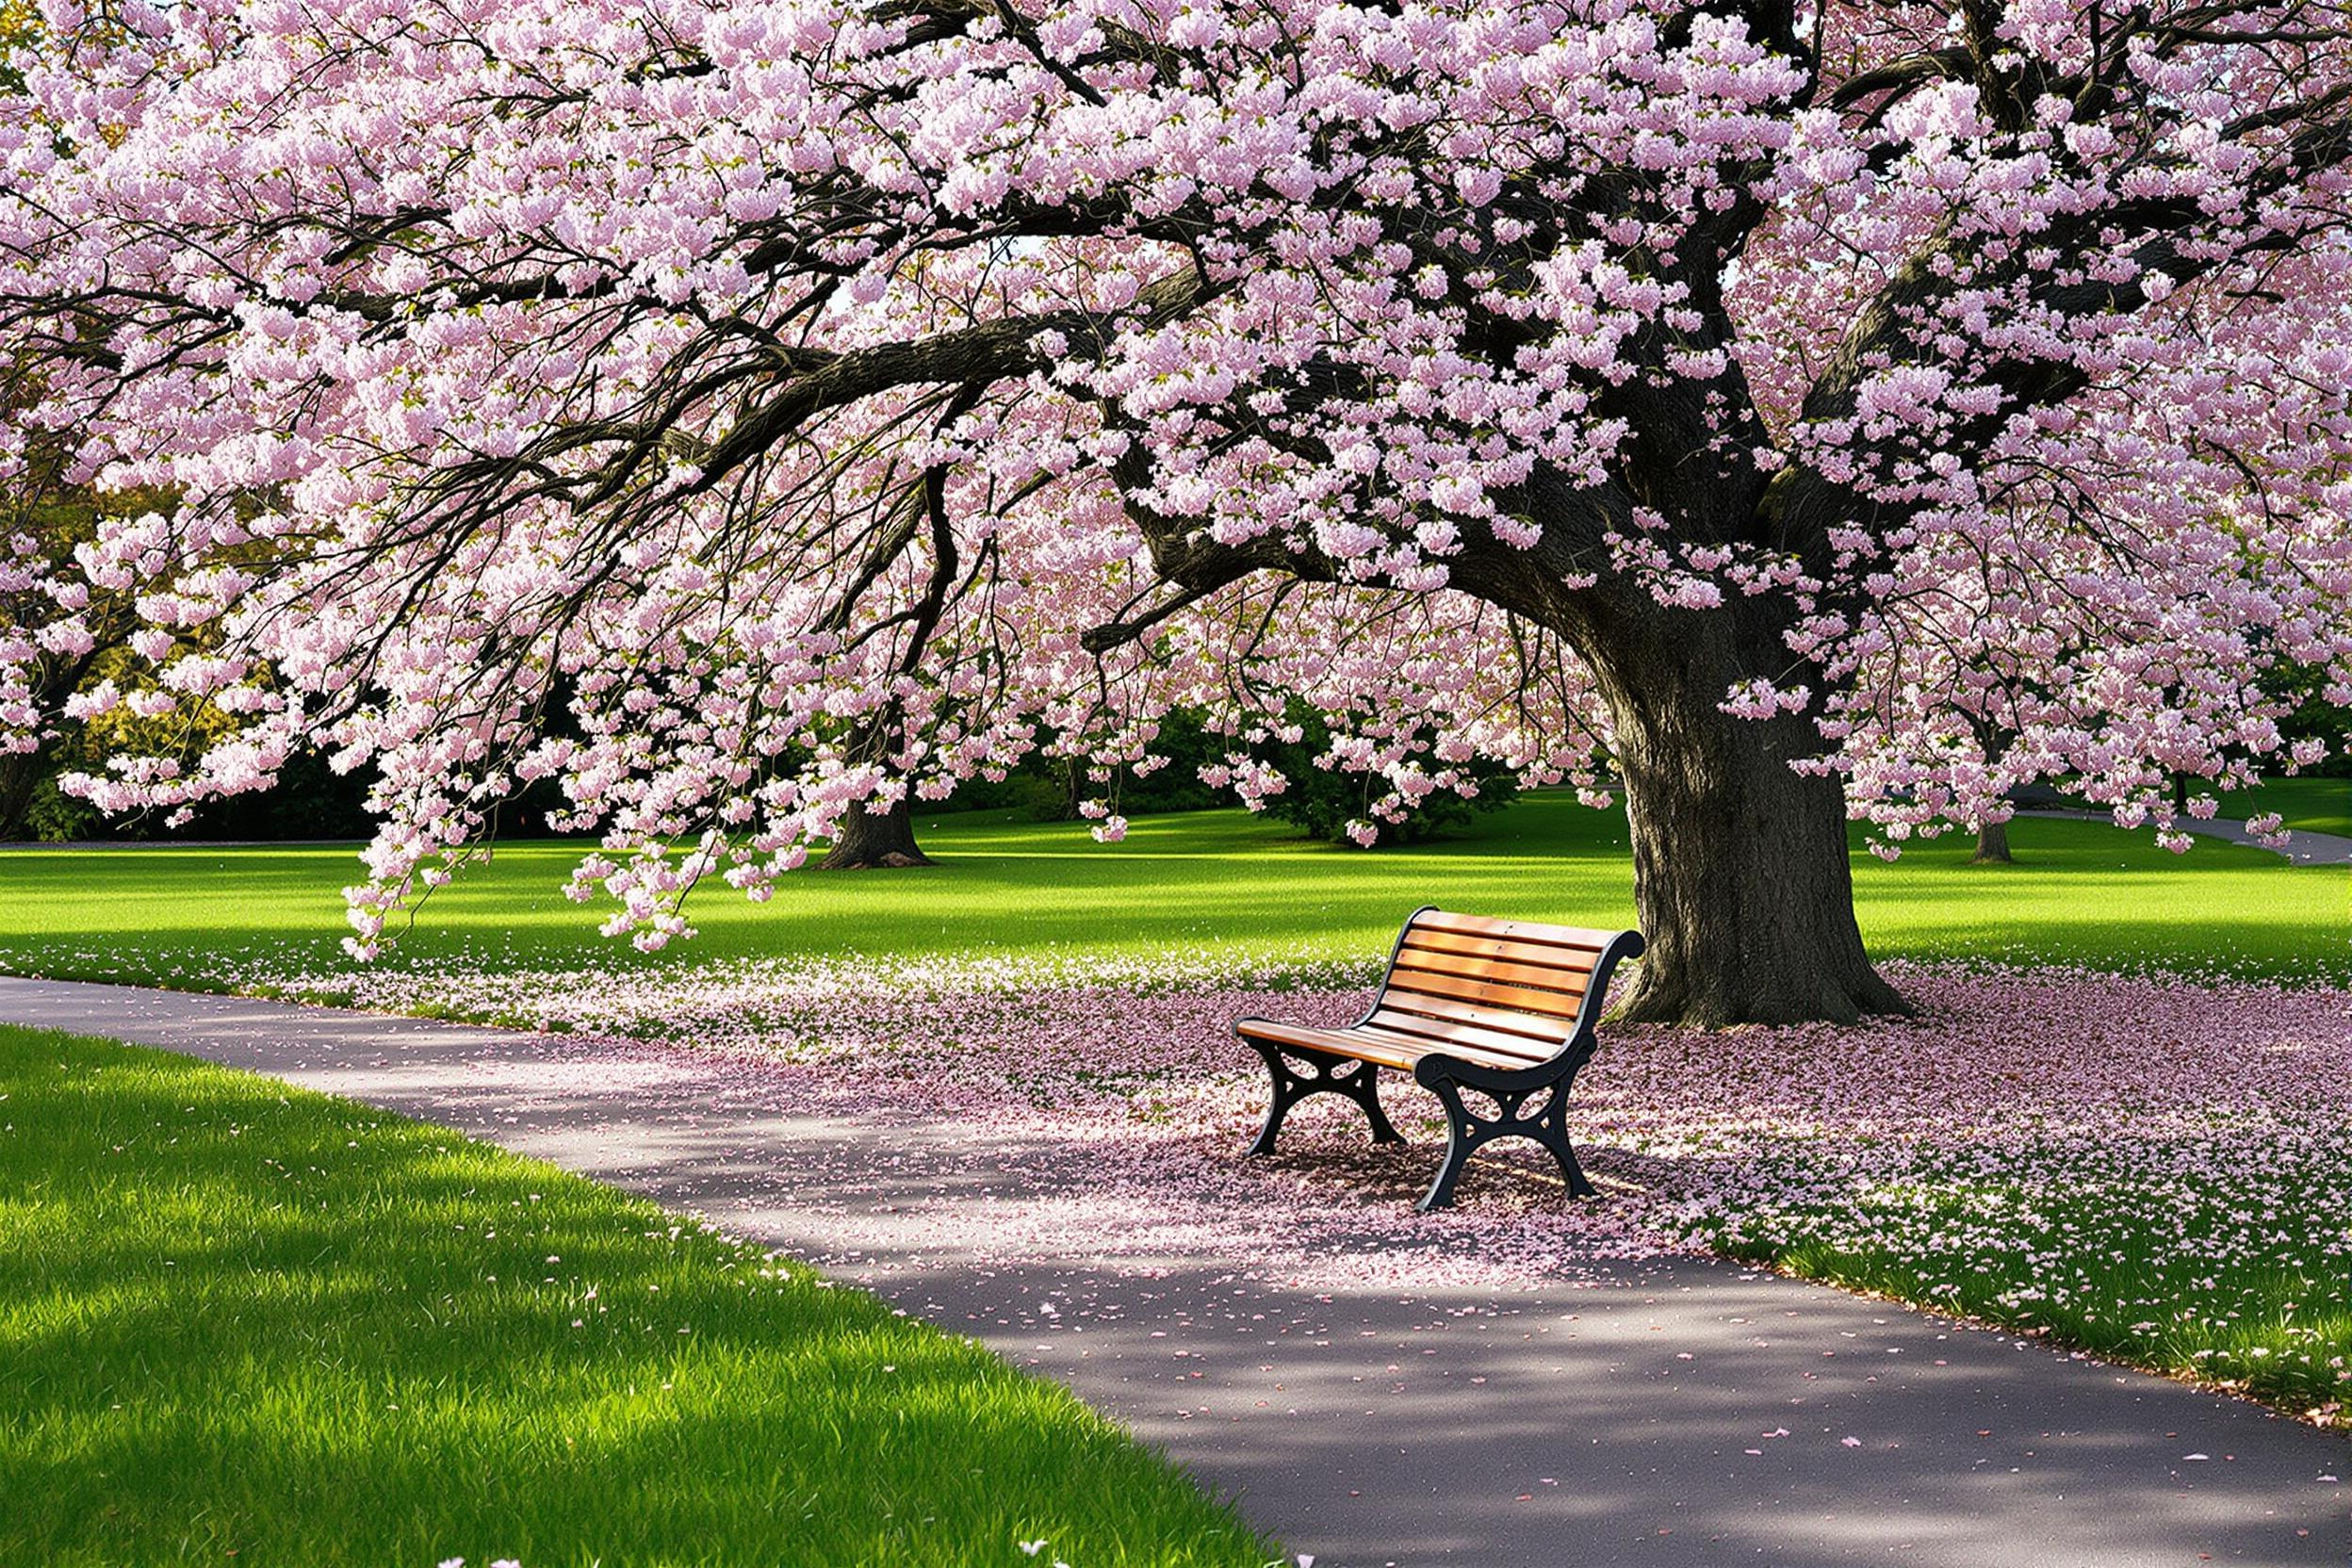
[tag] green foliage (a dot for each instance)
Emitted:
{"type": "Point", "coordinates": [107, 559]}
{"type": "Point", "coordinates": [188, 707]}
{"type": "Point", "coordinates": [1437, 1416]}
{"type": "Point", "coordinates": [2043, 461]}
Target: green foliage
{"type": "Point", "coordinates": [2317, 718]}
{"type": "Point", "coordinates": [37, 503]}
{"type": "Point", "coordinates": [1323, 801]}
{"type": "Point", "coordinates": [1188, 747]}
{"type": "Point", "coordinates": [243, 1323]}
{"type": "Point", "coordinates": [20, 25]}
{"type": "Point", "coordinates": [311, 801]}
{"type": "Point", "coordinates": [54, 817]}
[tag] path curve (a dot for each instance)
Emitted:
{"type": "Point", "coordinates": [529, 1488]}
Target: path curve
{"type": "Point", "coordinates": [2303, 846]}
{"type": "Point", "coordinates": [1675, 1413]}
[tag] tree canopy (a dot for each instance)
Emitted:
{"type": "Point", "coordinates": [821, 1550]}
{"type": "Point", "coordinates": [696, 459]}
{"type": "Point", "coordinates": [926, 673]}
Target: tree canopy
{"type": "Point", "coordinates": [1915, 399]}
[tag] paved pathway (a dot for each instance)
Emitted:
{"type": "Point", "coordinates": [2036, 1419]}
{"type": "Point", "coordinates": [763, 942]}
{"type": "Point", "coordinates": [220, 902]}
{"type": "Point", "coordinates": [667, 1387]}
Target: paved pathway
{"type": "Point", "coordinates": [1679, 1413]}
{"type": "Point", "coordinates": [2303, 846]}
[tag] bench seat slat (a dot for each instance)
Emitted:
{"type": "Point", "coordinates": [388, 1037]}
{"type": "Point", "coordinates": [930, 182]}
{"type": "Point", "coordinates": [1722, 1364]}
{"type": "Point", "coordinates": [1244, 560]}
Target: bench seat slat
{"type": "Point", "coordinates": [1502, 1057]}
{"type": "Point", "coordinates": [1564, 936]}
{"type": "Point", "coordinates": [1376, 1045]}
{"type": "Point", "coordinates": [1547, 1032]}
{"type": "Point", "coordinates": [1347, 1042]}
{"type": "Point", "coordinates": [1448, 1035]}
{"type": "Point", "coordinates": [1489, 993]}
{"type": "Point", "coordinates": [1570, 981]}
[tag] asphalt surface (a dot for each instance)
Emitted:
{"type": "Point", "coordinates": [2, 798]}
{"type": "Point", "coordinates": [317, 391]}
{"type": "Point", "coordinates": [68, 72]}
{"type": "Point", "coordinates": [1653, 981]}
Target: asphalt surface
{"type": "Point", "coordinates": [1674, 1411]}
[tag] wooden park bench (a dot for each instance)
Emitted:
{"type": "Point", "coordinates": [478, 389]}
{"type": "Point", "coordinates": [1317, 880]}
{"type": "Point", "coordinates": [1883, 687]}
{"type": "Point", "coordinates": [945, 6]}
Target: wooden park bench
{"type": "Point", "coordinates": [1505, 1007]}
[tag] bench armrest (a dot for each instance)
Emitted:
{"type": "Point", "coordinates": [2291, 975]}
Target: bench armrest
{"type": "Point", "coordinates": [1438, 1068]}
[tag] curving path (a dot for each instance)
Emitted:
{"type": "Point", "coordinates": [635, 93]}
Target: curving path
{"type": "Point", "coordinates": [1677, 1412]}
{"type": "Point", "coordinates": [2303, 846]}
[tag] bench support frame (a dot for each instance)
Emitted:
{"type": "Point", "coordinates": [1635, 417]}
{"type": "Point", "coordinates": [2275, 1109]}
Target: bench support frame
{"type": "Point", "coordinates": [1537, 1111]}
{"type": "Point", "coordinates": [1323, 1074]}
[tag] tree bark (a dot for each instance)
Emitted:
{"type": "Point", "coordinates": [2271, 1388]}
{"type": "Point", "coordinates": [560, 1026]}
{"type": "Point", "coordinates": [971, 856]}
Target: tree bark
{"type": "Point", "coordinates": [870, 841]}
{"type": "Point", "coordinates": [1992, 844]}
{"type": "Point", "coordinates": [21, 773]}
{"type": "Point", "coordinates": [1742, 871]}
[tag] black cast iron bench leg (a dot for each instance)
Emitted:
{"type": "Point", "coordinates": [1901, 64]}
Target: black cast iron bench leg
{"type": "Point", "coordinates": [1325, 1074]}
{"type": "Point", "coordinates": [1466, 1131]}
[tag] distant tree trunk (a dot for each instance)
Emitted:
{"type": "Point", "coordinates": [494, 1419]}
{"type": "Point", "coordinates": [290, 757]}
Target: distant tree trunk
{"type": "Point", "coordinates": [20, 776]}
{"type": "Point", "coordinates": [870, 841]}
{"type": "Point", "coordinates": [1992, 844]}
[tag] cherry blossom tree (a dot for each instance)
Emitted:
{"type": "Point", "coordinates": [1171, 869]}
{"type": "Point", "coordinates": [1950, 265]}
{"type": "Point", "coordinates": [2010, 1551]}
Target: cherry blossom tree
{"type": "Point", "coordinates": [751, 413]}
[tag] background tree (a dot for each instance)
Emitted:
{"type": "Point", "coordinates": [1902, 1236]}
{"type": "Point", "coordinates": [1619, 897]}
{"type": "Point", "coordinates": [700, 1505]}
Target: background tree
{"type": "Point", "coordinates": [2318, 723]}
{"type": "Point", "coordinates": [1573, 378]}
{"type": "Point", "coordinates": [1340, 788]}
{"type": "Point", "coordinates": [44, 520]}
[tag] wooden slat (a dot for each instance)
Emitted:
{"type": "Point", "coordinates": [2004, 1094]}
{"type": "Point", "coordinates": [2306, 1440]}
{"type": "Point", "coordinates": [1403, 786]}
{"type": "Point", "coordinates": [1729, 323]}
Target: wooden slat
{"type": "Point", "coordinates": [1460, 1038]}
{"type": "Point", "coordinates": [1444, 1009]}
{"type": "Point", "coordinates": [1566, 982]}
{"type": "Point", "coordinates": [1515, 930]}
{"type": "Point", "coordinates": [1417, 1047]}
{"type": "Point", "coordinates": [1502, 1061]}
{"type": "Point", "coordinates": [1344, 1043]}
{"type": "Point", "coordinates": [1577, 960]}
{"type": "Point", "coordinates": [1385, 1048]}
{"type": "Point", "coordinates": [1486, 993]}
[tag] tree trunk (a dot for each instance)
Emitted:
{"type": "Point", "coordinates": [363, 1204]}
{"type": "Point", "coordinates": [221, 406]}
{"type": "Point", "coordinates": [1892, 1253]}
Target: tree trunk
{"type": "Point", "coordinates": [870, 840]}
{"type": "Point", "coordinates": [1742, 881]}
{"type": "Point", "coordinates": [1992, 844]}
{"type": "Point", "coordinates": [21, 773]}
{"type": "Point", "coordinates": [1741, 871]}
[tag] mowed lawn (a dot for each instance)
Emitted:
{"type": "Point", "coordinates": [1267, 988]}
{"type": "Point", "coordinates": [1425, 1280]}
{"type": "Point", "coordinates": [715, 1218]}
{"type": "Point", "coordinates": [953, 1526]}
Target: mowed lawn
{"type": "Point", "coordinates": [1220, 884]}
{"type": "Point", "coordinates": [243, 1323]}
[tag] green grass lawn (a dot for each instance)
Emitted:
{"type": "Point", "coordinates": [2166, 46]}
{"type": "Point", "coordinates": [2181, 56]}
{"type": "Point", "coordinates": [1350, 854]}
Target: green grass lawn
{"type": "Point", "coordinates": [2312, 805]}
{"type": "Point", "coordinates": [244, 1323]}
{"type": "Point", "coordinates": [2081, 893]}
{"type": "Point", "coordinates": [2132, 1245]}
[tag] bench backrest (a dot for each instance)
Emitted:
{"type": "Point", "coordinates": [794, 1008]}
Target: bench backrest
{"type": "Point", "coordinates": [1514, 988]}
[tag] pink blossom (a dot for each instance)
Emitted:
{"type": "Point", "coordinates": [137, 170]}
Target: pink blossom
{"type": "Point", "coordinates": [790, 408]}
